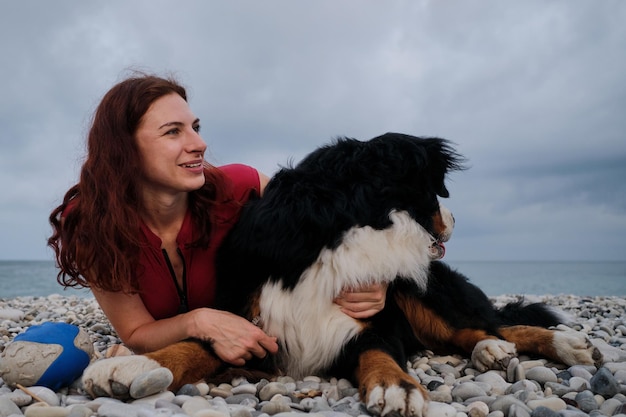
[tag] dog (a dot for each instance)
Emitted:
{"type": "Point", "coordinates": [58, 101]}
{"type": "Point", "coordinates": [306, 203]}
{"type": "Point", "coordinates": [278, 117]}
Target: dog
{"type": "Point", "coordinates": [353, 213]}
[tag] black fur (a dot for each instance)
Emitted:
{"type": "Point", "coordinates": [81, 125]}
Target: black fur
{"type": "Point", "coordinates": [308, 207]}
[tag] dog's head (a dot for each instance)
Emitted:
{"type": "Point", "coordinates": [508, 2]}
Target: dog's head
{"type": "Point", "coordinates": [357, 202]}
{"type": "Point", "coordinates": [361, 183]}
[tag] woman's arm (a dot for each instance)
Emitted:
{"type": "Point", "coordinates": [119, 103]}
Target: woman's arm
{"type": "Point", "coordinates": [233, 338]}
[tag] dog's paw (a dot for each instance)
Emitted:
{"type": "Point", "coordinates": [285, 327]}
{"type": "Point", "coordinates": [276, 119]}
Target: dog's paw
{"type": "Point", "coordinates": [407, 400]}
{"type": "Point", "coordinates": [493, 354]}
{"type": "Point", "coordinates": [125, 377]}
{"type": "Point", "coordinates": [575, 348]}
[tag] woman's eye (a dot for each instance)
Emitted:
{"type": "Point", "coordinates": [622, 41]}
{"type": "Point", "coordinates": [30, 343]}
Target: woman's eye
{"type": "Point", "coordinates": [197, 128]}
{"type": "Point", "coordinates": [173, 131]}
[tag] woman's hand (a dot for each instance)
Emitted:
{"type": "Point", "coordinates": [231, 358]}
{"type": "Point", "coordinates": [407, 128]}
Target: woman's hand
{"type": "Point", "coordinates": [234, 339]}
{"type": "Point", "coordinates": [363, 302]}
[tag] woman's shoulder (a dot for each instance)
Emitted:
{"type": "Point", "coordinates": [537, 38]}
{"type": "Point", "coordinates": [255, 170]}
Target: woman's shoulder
{"type": "Point", "coordinates": [243, 178]}
{"type": "Point", "coordinates": [239, 171]}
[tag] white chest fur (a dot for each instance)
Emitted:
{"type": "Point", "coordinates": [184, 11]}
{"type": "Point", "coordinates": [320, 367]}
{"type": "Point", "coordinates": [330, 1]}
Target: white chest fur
{"type": "Point", "coordinates": [310, 327]}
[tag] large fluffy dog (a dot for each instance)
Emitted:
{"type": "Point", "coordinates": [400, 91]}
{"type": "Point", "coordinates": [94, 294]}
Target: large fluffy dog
{"type": "Point", "coordinates": [353, 213]}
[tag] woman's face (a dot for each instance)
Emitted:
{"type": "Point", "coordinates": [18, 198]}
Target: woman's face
{"type": "Point", "coordinates": [171, 149]}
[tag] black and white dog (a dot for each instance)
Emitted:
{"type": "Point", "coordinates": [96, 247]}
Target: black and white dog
{"type": "Point", "coordinates": [349, 214]}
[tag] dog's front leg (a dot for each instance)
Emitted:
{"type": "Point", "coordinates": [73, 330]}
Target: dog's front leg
{"type": "Point", "coordinates": [386, 389]}
{"type": "Point", "coordinates": [189, 362]}
{"type": "Point", "coordinates": [176, 365]}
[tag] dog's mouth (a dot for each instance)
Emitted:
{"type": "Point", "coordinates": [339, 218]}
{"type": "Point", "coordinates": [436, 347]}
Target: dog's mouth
{"type": "Point", "coordinates": [437, 250]}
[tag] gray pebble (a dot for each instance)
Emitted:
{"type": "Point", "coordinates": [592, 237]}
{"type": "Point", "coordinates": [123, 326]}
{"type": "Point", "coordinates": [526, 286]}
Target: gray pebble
{"type": "Point", "coordinates": [19, 397]}
{"type": "Point", "coordinates": [244, 389]}
{"type": "Point", "coordinates": [305, 386]}
{"type": "Point", "coordinates": [572, 413]}
{"type": "Point", "coordinates": [161, 412]}
{"type": "Point", "coordinates": [558, 389]}
{"type": "Point", "coordinates": [40, 410]}
{"type": "Point", "coordinates": [80, 410]}
{"type": "Point", "coordinates": [477, 409]}
{"type": "Point", "coordinates": [194, 404]}
{"type": "Point", "coordinates": [541, 374]}
{"type": "Point", "coordinates": [118, 409]}
{"type": "Point", "coordinates": [11, 314]}
{"type": "Point", "coordinates": [188, 389]}
{"type": "Point", "coordinates": [620, 376]}
{"type": "Point", "coordinates": [209, 412]}
{"type": "Point", "coordinates": [151, 382]}
{"type": "Point", "coordinates": [220, 392]}
{"type": "Point", "coordinates": [271, 389]}
{"type": "Point", "coordinates": [240, 412]}
{"type": "Point", "coordinates": [442, 394]}
{"type": "Point", "coordinates": [445, 369]}
{"type": "Point", "coordinates": [564, 376]}
{"type": "Point", "coordinates": [504, 402]}
{"type": "Point", "coordinates": [580, 371]}
{"type": "Point", "coordinates": [579, 384]}
{"type": "Point", "coordinates": [275, 407]}
{"type": "Point", "coordinates": [519, 410]}
{"type": "Point", "coordinates": [437, 409]}
{"type": "Point", "coordinates": [162, 403]}
{"type": "Point", "coordinates": [609, 406]}
{"type": "Point", "coordinates": [526, 396]}
{"type": "Point", "coordinates": [621, 409]}
{"type": "Point", "coordinates": [544, 412]}
{"type": "Point", "coordinates": [8, 407]}
{"type": "Point", "coordinates": [320, 405]}
{"type": "Point", "coordinates": [553, 403]}
{"type": "Point", "coordinates": [152, 399]}
{"type": "Point", "coordinates": [604, 383]}
{"type": "Point", "coordinates": [495, 381]}
{"type": "Point", "coordinates": [46, 395]}
{"type": "Point", "coordinates": [467, 390]}
{"type": "Point", "coordinates": [512, 392]}
{"type": "Point", "coordinates": [249, 400]}
{"type": "Point", "coordinates": [510, 369]}
{"type": "Point", "coordinates": [586, 401]}
{"type": "Point", "coordinates": [523, 385]}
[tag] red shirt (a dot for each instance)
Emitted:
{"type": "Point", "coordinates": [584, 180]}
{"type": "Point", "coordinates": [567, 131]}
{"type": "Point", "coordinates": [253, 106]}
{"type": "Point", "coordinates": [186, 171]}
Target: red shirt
{"type": "Point", "coordinates": [159, 292]}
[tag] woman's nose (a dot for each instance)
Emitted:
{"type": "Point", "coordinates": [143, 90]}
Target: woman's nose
{"type": "Point", "coordinates": [197, 144]}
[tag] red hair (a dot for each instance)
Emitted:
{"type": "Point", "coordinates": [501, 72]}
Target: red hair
{"type": "Point", "coordinates": [97, 239]}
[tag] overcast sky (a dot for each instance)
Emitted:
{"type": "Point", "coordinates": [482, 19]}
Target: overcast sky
{"type": "Point", "coordinates": [533, 93]}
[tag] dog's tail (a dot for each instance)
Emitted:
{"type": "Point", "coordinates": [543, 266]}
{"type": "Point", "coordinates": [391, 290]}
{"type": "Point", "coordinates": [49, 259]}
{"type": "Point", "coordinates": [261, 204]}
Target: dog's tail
{"type": "Point", "coordinates": [535, 314]}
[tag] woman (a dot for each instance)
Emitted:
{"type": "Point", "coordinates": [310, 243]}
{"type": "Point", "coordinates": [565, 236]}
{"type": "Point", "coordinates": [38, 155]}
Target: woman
{"type": "Point", "coordinates": [142, 226]}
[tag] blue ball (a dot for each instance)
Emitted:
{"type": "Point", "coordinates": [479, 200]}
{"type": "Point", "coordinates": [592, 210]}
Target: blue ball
{"type": "Point", "coordinates": [66, 345]}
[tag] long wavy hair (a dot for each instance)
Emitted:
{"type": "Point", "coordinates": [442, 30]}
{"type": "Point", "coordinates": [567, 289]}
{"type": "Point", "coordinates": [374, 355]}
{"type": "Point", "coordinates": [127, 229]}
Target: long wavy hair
{"type": "Point", "coordinates": [96, 229]}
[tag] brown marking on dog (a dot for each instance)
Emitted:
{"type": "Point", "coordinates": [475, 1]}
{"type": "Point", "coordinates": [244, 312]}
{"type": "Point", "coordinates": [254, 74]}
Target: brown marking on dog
{"type": "Point", "coordinates": [430, 329]}
{"type": "Point", "coordinates": [253, 311]}
{"type": "Point", "coordinates": [434, 332]}
{"type": "Point", "coordinates": [439, 226]}
{"type": "Point", "coordinates": [189, 362]}
{"type": "Point", "coordinates": [467, 339]}
{"type": "Point", "coordinates": [377, 368]}
{"type": "Point", "coordinates": [531, 339]}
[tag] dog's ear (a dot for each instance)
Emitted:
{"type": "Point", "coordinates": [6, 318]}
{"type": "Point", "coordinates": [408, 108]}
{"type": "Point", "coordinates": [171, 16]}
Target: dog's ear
{"type": "Point", "coordinates": [427, 158]}
{"type": "Point", "coordinates": [442, 158]}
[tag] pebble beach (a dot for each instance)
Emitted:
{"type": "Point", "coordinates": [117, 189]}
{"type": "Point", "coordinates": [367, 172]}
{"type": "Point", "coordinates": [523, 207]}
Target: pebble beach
{"type": "Point", "coordinates": [528, 387]}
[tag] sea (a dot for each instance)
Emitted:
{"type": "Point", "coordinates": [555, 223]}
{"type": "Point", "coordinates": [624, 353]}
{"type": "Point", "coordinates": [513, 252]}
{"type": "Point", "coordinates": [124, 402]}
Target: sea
{"type": "Point", "coordinates": [38, 278]}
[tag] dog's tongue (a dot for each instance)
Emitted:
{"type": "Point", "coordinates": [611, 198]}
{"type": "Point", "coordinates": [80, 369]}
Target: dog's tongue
{"type": "Point", "coordinates": [437, 250]}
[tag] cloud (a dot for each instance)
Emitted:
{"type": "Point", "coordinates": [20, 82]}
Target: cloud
{"type": "Point", "coordinates": [532, 93]}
